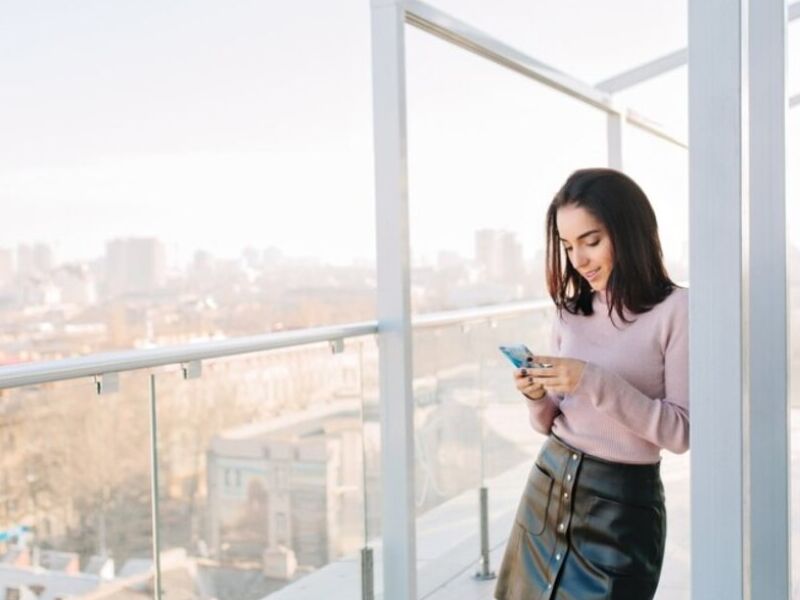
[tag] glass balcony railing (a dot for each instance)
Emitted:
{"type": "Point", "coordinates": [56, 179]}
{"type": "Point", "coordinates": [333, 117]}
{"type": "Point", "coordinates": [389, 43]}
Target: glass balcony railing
{"type": "Point", "coordinates": [268, 465]}
{"type": "Point", "coordinates": [263, 451]}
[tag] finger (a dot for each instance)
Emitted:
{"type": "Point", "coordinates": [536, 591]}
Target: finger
{"type": "Point", "coordinates": [543, 372]}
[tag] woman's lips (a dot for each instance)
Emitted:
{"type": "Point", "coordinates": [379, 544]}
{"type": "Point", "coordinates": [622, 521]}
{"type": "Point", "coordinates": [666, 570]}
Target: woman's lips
{"type": "Point", "coordinates": [592, 274]}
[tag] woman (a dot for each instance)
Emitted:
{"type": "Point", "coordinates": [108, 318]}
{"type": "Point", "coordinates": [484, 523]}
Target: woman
{"type": "Point", "coordinates": [591, 523]}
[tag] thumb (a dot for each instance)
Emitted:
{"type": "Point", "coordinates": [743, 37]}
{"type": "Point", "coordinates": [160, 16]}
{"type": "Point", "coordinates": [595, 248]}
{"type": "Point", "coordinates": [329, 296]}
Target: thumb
{"type": "Point", "coordinates": [541, 358]}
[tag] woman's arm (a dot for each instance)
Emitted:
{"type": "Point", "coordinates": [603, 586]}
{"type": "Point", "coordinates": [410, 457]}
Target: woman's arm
{"type": "Point", "coordinates": [542, 413]}
{"type": "Point", "coordinates": [661, 421]}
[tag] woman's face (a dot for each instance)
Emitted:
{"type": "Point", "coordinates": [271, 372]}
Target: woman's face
{"type": "Point", "coordinates": [587, 244]}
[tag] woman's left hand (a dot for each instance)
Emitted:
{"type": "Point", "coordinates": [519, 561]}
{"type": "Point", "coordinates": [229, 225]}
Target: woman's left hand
{"type": "Point", "coordinates": [562, 377]}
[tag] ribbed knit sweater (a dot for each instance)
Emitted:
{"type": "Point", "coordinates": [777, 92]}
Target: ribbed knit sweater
{"type": "Point", "coordinates": [632, 399]}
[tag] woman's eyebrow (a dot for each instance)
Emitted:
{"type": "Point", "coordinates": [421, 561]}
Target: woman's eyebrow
{"type": "Point", "coordinates": [583, 235]}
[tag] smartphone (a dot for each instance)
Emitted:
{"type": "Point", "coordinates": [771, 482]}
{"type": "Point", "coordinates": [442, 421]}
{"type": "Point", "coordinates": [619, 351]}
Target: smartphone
{"type": "Point", "coordinates": [519, 355]}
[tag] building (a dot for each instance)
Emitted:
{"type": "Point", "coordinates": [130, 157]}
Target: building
{"type": "Point", "coordinates": [499, 253]}
{"type": "Point", "coordinates": [134, 266]}
{"type": "Point", "coordinates": [288, 488]}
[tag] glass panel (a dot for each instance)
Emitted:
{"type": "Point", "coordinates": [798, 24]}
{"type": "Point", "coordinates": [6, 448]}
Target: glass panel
{"type": "Point", "coordinates": [261, 468]}
{"type": "Point", "coordinates": [510, 441]}
{"type": "Point", "coordinates": [667, 187]}
{"type": "Point", "coordinates": [76, 475]}
{"type": "Point", "coordinates": [488, 149]}
{"type": "Point", "coordinates": [447, 440]}
{"type": "Point", "coordinates": [663, 100]}
{"type": "Point", "coordinates": [447, 397]}
{"type": "Point", "coordinates": [181, 172]}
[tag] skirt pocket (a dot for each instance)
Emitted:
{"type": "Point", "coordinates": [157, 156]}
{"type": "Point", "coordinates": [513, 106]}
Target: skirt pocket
{"type": "Point", "coordinates": [625, 539]}
{"type": "Point", "coordinates": [532, 511]}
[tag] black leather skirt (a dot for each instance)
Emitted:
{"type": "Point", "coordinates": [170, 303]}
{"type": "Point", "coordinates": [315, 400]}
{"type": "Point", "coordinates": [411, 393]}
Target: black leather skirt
{"type": "Point", "coordinates": [586, 529]}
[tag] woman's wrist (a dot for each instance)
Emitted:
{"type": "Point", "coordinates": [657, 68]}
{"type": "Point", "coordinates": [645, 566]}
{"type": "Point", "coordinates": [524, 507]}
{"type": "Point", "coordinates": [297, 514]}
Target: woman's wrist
{"type": "Point", "coordinates": [537, 398]}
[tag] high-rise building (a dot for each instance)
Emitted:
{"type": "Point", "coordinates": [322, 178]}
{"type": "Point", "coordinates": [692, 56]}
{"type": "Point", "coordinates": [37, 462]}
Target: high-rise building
{"type": "Point", "coordinates": [499, 253]}
{"type": "Point", "coordinates": [134, 266]}
{"type": "Point", "coordinates": [6, 265]}
{"type": "Point", "coordinates": [34, 260]}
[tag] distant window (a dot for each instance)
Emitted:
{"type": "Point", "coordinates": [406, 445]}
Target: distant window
{"type": "Point", "coordinates": [233, 478]}
{"type": "Point", "coordinates": [12, 594]}
{"type": "Point", "coordinates": [281, 478]}
{"type": "Point", "coordinates": [280, 528]}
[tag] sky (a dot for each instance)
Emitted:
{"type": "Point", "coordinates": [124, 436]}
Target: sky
{"type": "Point", "coordinates": [222, 125]}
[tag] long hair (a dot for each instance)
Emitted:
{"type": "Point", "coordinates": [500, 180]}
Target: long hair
{"type": "Point", "coordinates": [638, 279]}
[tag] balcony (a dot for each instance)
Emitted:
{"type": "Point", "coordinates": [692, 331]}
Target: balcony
{"type": "Point", "coordinates": [282, 465]}
{"type": "Point", "coordinates": [468, 419]}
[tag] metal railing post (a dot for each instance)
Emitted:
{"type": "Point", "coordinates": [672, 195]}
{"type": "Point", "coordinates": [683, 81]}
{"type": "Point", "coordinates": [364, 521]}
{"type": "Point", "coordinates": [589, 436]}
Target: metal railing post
{"type": "Point", "coordinates": [154, 488]}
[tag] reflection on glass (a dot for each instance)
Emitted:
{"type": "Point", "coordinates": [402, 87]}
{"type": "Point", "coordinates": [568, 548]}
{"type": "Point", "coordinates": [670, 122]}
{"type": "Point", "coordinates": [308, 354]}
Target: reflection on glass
{"type": "Point", "coordinates": [261, 467]}
{"type": "Point", "coordinates": [75, 513]}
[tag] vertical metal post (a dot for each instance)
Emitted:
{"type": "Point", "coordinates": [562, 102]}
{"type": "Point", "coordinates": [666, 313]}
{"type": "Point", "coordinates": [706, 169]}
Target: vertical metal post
{"type": "Point", "coordinates": [367, 567]}
{"type": "Point", "coordinates": [719, 285]}
{"type": "Point", "coordinates": [615, 135]}
{"type": "Point", "coordinates": [367, 570]}
{"type": "Point", "coordinates": [486, 571]}
{"type": "Point", "coordinates": [154, 487]}
{"type": "Point", "coordinates": [394, 304]}
{"type": "Point", "coordinates": [770, 547]}
{"type": "Point", "coordinates": [483, 500]}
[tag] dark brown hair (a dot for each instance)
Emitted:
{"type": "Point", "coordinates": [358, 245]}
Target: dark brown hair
{"type": "Point", "coordinates": [638, 280]}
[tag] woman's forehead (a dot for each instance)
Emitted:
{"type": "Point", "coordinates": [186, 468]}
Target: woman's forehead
{"type": "Point", "coordinates": [573, 221]}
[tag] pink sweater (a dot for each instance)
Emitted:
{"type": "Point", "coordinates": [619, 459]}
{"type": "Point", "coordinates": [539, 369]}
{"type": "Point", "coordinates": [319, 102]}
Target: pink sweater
{"type": "Point", "coordinates": [633, 397]}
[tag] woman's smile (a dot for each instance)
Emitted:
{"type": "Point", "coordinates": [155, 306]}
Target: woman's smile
{"type": "Point", "coordinates": [592, 274]}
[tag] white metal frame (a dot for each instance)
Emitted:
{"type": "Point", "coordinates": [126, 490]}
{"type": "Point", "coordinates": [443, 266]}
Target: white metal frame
{"type": "Point", "coordinates": [394, 302]}
{"type": "Point", "coordinates": [768, 420]}
{"type": "Point", "coordinates": [727, 561]}
{"type": "Point", "coordinates": [717, 203]}
{"type": "Point", "coordinates": [389, 105]}
{"type": "Point", "coordinates": [670, 62]}
{"type": "Point", "coordinates": [738, 307]}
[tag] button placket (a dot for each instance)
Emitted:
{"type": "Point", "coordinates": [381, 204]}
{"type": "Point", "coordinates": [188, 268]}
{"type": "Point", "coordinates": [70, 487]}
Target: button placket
{"type": "Point", "coordinates": [564, 517]}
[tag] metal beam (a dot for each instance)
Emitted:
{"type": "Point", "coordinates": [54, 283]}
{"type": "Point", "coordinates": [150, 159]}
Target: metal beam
{"type": "Point", "coordinates": [394, 300]}
{"type": "Point", "coordinates": [768, 511]}
{"type": "Point", "coordinates": [130, 360]}
{"type": "Point", "coordinates": [665, 64]}
{"type": "Point", "coordinates": [461, 34]}
{"type": "Point", "coordinates": [615, 141]}
{"type": "Point", "coordinates": [644, 72]}
{"type": "Point", "coordinates": [717, 234]}
{"type": "Point", "coordinates": [35, 373]}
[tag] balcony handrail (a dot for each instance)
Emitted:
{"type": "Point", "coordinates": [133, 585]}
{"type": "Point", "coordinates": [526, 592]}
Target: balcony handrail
{"type": "Point", "coordinates": [436, 22]}
{"type": "Point", "coordinates": [39, 372]}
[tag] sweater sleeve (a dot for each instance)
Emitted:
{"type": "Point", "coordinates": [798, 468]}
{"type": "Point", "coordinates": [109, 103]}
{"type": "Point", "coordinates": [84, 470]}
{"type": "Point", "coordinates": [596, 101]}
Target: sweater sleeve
{"type": "Point", "coordinates": [543, 412]}
{"type": "Point", "coordinates": [661, 421]}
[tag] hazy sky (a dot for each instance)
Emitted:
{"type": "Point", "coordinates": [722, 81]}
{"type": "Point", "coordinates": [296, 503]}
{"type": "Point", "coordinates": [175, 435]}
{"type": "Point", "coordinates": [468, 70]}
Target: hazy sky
{"type": "Point", "coordinates": [219, 125]}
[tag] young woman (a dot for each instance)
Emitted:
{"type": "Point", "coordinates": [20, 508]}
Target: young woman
{"type": "Point", "coordinates": [591, 523]}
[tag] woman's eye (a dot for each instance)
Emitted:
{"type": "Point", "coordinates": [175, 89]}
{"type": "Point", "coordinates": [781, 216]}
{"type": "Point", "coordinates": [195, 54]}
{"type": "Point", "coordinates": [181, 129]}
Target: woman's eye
{"type": "Point", "coordinates": [594, 244]}
{"type": "Point", "coordinates": [567, 249]}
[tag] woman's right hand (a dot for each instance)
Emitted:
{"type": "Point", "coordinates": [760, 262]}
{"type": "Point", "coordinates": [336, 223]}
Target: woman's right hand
{"type": "Point", "coordinates": [526, 385]}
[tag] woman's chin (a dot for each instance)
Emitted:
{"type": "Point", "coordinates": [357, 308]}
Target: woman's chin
{"type": "Point", "coordinates": [599, 286]}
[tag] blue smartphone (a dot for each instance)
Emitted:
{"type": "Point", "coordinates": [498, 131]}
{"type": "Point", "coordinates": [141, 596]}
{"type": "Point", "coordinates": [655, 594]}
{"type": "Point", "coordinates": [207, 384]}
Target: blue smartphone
{"type": "Point", "coordinates": [519, 354]}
